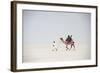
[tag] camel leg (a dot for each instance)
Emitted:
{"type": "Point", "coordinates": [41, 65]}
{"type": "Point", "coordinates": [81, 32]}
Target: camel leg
{"type": "Point", "coordinates": [67, 48]}
{"type": "Point", "coordinates": [73, 46]}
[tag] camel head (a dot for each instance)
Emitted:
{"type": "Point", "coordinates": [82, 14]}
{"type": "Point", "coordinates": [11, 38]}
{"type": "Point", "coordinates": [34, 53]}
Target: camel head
{"type": "Point", "coordinates": [62, 40]}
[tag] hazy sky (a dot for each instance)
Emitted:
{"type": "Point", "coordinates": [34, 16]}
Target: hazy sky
{"type": "Point", "coordinates": [46, 26]}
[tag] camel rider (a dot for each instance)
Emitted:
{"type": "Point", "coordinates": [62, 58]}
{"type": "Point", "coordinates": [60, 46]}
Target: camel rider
{"type": "Point", "coordinates": [69, 38]}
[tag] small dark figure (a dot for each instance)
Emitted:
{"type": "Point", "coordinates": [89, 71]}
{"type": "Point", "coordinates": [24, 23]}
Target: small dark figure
{"type": "Point", "coordinates": [54, 46]}
{"type": "Point", "coordinates": [69, 39]}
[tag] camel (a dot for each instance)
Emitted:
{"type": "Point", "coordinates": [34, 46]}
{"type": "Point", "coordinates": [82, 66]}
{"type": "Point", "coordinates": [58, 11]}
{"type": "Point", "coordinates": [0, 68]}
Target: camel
{"type": "Point", "coordinates": [68, 43]}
